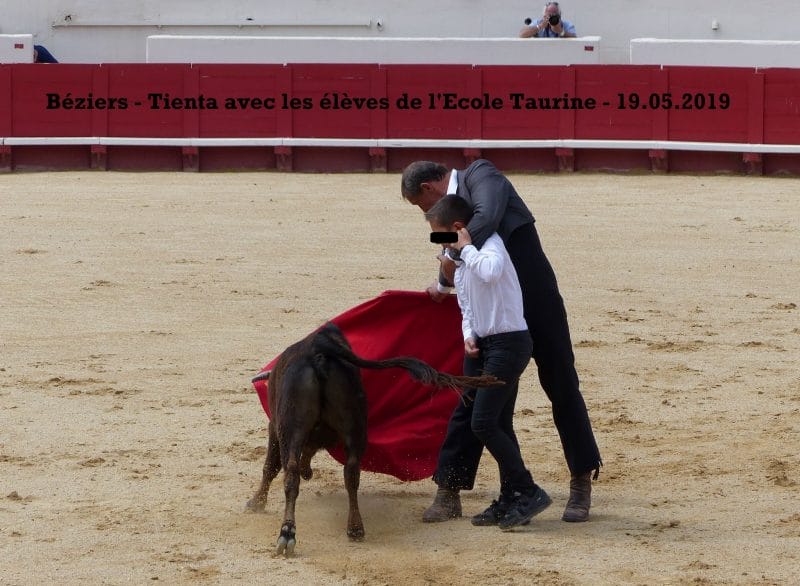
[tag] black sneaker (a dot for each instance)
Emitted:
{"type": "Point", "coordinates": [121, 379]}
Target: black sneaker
{"type": "Point", "coordinates": [524, 507]}
{"type": "Point", "coordinates": [492, 515]}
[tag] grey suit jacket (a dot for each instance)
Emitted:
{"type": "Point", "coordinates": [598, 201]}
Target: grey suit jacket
{"type": "Point", "coordinates": [497, 205]}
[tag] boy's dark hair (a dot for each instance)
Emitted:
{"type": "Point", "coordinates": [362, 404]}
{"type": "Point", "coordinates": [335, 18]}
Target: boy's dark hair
{"type": "Point", "coordinates": [451, 208]}
{"type": "Point", "coordinates": [418, 173]}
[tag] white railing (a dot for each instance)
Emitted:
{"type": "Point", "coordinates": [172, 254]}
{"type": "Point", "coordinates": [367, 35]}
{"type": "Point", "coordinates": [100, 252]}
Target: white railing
{"type": "Point", "coordinates": [405, 143]}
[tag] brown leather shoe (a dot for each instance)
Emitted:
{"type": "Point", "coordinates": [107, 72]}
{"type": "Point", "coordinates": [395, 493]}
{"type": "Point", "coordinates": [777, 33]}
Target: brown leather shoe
{"type": "Point", "coordinates": [580, 498]}
{"type": "Point", "coordinates": [446, 505]}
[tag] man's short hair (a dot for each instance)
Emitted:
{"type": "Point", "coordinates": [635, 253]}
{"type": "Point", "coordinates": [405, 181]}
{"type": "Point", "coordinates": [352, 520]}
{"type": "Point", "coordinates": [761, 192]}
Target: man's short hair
{"type": "Point", "coordinates": [451, 208]}
{"type": "Point", "coordinates": [418, 173]}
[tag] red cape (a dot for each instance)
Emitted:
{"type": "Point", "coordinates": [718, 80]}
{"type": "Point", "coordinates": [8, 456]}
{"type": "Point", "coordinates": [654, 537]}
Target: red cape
{"type": "Point", "coordinates": [406, 421]}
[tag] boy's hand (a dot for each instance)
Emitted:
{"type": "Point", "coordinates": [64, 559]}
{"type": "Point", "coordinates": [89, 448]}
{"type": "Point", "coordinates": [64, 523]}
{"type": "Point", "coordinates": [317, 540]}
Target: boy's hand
{"type": "Point", "coordinates": [463, 239]}
{"type": "Point", "coordinates": [471, 348]}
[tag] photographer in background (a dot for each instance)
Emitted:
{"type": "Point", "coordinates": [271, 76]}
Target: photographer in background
{"type": "Point", "coordinates": [551, 25]}
{"type": "Point", "coordinates": [42, 55]}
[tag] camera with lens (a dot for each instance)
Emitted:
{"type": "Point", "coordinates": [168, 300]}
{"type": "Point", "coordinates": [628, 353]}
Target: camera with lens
{"type": "Point", "coordinates": [554, 19]}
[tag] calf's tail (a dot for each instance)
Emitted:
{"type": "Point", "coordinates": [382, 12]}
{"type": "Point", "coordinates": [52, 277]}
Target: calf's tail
{"type": "Point", "coordinates": [419, 370]}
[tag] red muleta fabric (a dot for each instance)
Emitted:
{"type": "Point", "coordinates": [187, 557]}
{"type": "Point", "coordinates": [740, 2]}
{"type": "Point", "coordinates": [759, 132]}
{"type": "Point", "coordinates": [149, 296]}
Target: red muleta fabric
{"type": "Point", "coordinates": [406, 421]}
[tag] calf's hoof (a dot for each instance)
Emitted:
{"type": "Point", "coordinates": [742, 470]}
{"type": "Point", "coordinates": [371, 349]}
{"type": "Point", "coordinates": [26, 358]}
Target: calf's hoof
{"type": "Point", "coordinates": [286, 541]}
{"type": "Point", "coordinates": [356, 533]}
{"type": "Point", "coordinates": [255, 505]}
{"type": "Point", "coordinates": [306, 473]}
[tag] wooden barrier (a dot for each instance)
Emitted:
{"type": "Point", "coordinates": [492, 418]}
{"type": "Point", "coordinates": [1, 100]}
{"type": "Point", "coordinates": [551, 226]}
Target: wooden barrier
{"type": "Point", "coordinates": [624, 112]}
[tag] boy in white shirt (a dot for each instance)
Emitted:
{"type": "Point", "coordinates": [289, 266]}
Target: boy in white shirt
{"type": "Point", "coordinates": [496, 341]}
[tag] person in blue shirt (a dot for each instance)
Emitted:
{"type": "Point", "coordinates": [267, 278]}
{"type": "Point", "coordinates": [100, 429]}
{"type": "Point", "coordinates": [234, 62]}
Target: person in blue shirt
{"type": "Point", "coordinates": [550, 25]}
{"type": "Point", "coordinates": [42, 55]}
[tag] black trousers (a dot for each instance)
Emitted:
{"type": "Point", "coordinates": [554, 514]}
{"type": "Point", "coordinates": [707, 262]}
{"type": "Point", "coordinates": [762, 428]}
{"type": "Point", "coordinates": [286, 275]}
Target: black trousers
{"type": "Point", "coordinates": [552, 349]}
{"type": "Point", "coordinates": [555, 361]}
{"type": "Point", "coordinates": [489, 414]}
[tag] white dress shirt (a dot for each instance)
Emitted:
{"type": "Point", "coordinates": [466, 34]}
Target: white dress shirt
{"type": "Point", "coordinates": [488, 291]}
{"type": "Point", "coordinates": [452, 187]}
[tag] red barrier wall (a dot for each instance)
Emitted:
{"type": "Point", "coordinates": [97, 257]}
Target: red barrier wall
{"type": "Point", "coordinates": [739, 105]}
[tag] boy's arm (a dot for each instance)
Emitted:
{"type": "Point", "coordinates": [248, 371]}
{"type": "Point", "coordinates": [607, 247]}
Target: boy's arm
{"type": "Point", "coordinates": [487, 263]}
{"type": "Point", "coordinates": [466, 318]}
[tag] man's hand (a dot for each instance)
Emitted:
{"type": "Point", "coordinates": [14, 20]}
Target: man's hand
{"type": "Point", "coordinates": [448, 267]}
{"type": "Point", "coordinates": [471, 348]}
{"type": "Point", "coordinates": [435, 294]}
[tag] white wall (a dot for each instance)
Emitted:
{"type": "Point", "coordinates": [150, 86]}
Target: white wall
{"type": "Point", "coordinates": [93, 31]}
{"type": "Point", "coordinates": [16, 49]}
{"type": "Point", "coordinates": [715, 53]}
{"type": "Point", "coordinates": [472, 51]}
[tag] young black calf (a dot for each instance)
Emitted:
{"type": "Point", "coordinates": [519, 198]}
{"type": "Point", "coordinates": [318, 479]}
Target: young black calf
{"type": "Point", "coordinates": [316, 398]}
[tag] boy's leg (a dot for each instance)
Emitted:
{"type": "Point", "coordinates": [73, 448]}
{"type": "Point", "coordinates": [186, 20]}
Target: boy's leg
{"type": "Point", "coordinates": [504, 356]}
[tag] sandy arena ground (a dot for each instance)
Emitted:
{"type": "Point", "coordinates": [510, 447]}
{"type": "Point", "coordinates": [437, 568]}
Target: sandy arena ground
{"type": "Point", "coordinates": [134, 308]}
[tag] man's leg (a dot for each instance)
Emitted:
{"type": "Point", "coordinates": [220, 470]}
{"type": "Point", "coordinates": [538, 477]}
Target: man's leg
{"type": "Point", "coordinates": [555, 361]}
{"type": "Point", "coordinates": [459, 458]}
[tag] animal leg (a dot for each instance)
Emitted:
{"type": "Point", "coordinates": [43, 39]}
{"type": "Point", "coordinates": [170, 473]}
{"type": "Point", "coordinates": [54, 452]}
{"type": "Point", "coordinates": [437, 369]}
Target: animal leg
{"type": "Point", "coordinates": [352, 476]}
{"type": "Point", "coordinates": [287, 539]}
{"type": "Point", "coordinates": [272, 466]}
{"type": "Point", "coordinates": [305, 461]}
{"type": "Point", "coordinates": [291, 488]}
{"type": "Point", "coordinates": [346, 414]}
{"type": "Point", "coordinates": [291, 451]}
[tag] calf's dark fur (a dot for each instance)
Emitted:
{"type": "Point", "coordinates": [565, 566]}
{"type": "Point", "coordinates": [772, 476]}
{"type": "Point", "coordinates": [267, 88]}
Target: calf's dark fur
{"type": "Point", "coordinates": [316, 398]}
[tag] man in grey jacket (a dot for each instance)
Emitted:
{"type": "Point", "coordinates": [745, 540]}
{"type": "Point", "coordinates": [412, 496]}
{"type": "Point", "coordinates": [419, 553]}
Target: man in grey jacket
{"type": "Point", "coordinates": [498, 208]}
